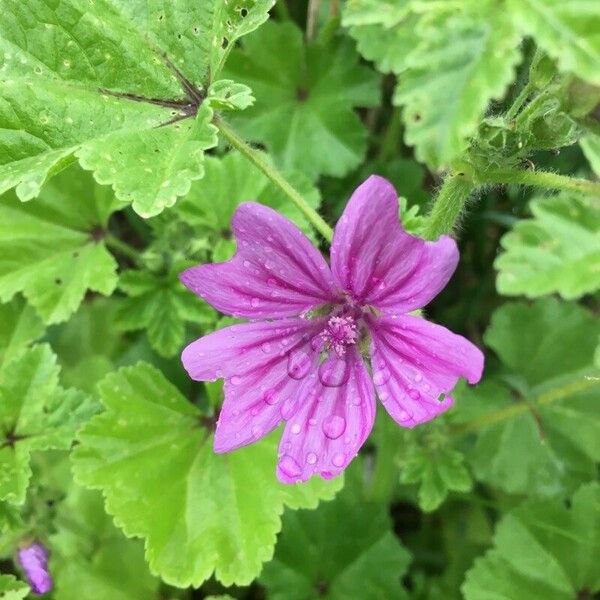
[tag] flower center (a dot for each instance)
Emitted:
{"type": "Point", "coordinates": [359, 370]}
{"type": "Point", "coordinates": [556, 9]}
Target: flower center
{"type": "Point", "coordinates": [339, 333]}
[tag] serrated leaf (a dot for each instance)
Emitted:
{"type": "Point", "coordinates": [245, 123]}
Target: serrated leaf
{"type": "Point", "coordinates": [567, 31]}
{"type": "Point", "coordinates": [344, 549]}
{"type": "Point", "coordinates": [228, 95]}
{"type": "Point", "coordinates": [540, 256]}
{"type": "Point", "coordinates": [19, 326]}
{"type": "Point", "coordinates": [35, 414]}
{"type": "Point", "coordinates": [231, 180]}
{"type": "Point", "coordinates": [542, 550]}
{"type": "Point", "coordinates": [536, 424]}
{"type": "Point", "coordinates": [150, 444]}
{"type": "Point", "coordinates": [12, 589]}
{"type": "Point", "coordinates": [52, 250]}
{"type": "Point", "coordinates": [305, 98]}
{"type": "Point", "coordinates": [119, 84]}
{"type": "Point", "coordinates": [162, 306]}
{"type": "Point", "coordinates": [91, 559]}
{"type": "Point", "coordinates": [467, 60]}
{"type": "Point", "coordinates": [438, 471]}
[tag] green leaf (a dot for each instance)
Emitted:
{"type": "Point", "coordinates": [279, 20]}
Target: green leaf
{"type": "Point", "coordinates": [151, 444]}
{"type": "Point", "coordinates": [438, 471]}
{"type": "Point", "coordinates": [12, 589]}
{"type": "Point", "coordinates": [540, 256]}
{"type": "Point", "coordinates": [590, 144]}
{"type": "Point", "coordinates": [162, 306]}
{"type": "Point", "coordinates": [567, 31]}
{"type": "Point", "coordinates": [35, 414]}
{"type": "Point", "coordinates": [228, 95]}
{"type": "Point", "coordinates": [19, 326]}
{"type": "Point", "coordinates": [345, 549]}
{"type": "Point", "coordinates": [91, 559]}
{"type": "Point", "coordinates": [538, 422]}
{"type": "Point", "coordinates": [305, 98]}
{"type": "Point", "coordinates": [231, 180]}
{"type": "Point", "coordinates": [52, 250]}
{"type": "Point", "coordinates": [467, 60]}
{"type": "Point", "coordinates": [542, 550]}
{"type": "Point", "coordinates": [120, 85]}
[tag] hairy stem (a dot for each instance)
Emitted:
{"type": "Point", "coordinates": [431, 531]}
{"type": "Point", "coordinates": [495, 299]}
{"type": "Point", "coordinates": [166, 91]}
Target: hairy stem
{"type": "Point", "coordinates": [543, 179]}
{"type": "Point", "coordinates": [448, 205]}
{"type": "Point", "coordinates": [258, 160]}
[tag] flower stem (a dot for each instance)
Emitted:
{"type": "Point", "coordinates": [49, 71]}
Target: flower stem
{"type": "Point", "coordinates": [257, 159]}
{"type": "Point", "coordinates": [448, 205]}
{"type": "Point", "coordinates": [543, 179]}
{"type": "Point", "coordinates": [121, 247]}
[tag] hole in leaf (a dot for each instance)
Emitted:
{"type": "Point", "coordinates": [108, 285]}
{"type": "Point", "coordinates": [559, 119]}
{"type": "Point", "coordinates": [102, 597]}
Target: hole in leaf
{"type": "Point", "coordinates": [224, 43]}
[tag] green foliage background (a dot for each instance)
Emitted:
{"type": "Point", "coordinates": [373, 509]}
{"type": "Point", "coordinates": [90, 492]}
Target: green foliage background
{"type": "Point", "coordinates": [130, 130]}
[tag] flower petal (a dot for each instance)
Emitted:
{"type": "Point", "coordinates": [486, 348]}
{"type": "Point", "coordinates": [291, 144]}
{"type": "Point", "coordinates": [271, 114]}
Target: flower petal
{"type": "Point", "coordinates": [378, 263]}
{"type": "Point", "coordinates": [264, 365]}
{"type": "Point", "coordinates": [330, 425]}
{"type": "Point", "coordinates": [276, 271]}
{"type": "Point", "coordinates": [415, 361]}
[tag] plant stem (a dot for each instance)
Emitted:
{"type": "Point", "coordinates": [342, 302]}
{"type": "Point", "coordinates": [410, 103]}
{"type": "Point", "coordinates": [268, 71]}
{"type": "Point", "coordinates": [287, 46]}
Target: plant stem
{"type": "Point", "coordinates": [258, 160]}
{"type": "Point", "coordinates": [121, 247]}
{"type": "Point", "coordinates": [448, 205]}
{"type": "Point", "coordinates": [542, 179]}
{"type": "Point", "coordinates": [512, 112]}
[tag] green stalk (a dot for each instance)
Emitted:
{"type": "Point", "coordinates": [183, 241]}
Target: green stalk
{"type": "Point", "coordinates": [448, 205]}
{"type": "Point", "coordinates": [542, 179]}
{"type": "Point", "coordinates": [121, 247]}
{"type": "Point", "coordinates": [258, 160]}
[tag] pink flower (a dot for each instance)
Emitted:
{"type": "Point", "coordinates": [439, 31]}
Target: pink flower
{"type": "Point", "coordinates": [304, 356]}
{"type": "Point", "coordinates": [34, 561]}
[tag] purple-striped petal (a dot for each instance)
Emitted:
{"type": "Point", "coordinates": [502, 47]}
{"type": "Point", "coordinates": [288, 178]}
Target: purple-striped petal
{"type": "Point", "coordinates": [334, 417]}
{"type": "Point", "coordinates": [276, 271]}
{"type": "Point", "coordinates": [264, 365]}
{"type": "Point", "coordinates": [414, 362]}
{"type": "Point", "coordinates": [380, 264]}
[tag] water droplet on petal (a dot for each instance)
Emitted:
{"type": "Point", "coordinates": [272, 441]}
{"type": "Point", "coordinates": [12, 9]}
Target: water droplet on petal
{"type": "Point", "coordinates": [270, 398]}
{"type": "Point", "coordinates": [418, 377]}
{"type": "Point", "coordinates": [235, 380]}
{"type": "Point", "coordinates": [265, 347]}
{"type": "Point", "coordinates": [338, 459]}
{"type": "Point", "coordinates": [289, 466]}
{"type": "Point", "coordinates": [334, 372]}
{"type": "Point", "coordinates": [381, 376]}
{"type": "Point", "coordinates": [296, 428]}
{"type": "Point", "coordinates": [256, 432]}
{"type": "Point", "coordinates": [426, 387]}
{"type": "Point", "coordinates": [254, 412]}
{"type": "Point", "coordinates": [312, 421]}
{"type": "Point", "coordinates": [334, 426]}
{"type": "Point", "coordinates": [298, 364]}
{"type": "Point", "coordinates": [403, 416]}
{"type": "Point", "coordinates": [311, 458]}
{"type": "Point", "coordinates": [255, 302]}
{"type": "Point", "coordinates": [414, 394]}
{"type": "Point", "coordinates": [247, 263]}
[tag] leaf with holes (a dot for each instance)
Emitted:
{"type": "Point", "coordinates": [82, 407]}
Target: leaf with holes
{"type": "Point", "coordinates": [35, 414]}
{"type": "Point", "coordinates": [120, 85]}
{"type": "Point", "coordinates": [312, 562]}
{"type": "Point", "coordinates": [468, 60]}
{"type": "Point", "coordinates": [12, 589]}
{"type": "Point", "coordinates": [162, 306]}
{"type": "Point", "coordinates": [567, 31]}
{"type": "Point", "coordinates": [535, 426]}
{"type": "Point", "coordinates": [540, 256]}
{"type": "Point", "coordinates": [151, 443]}
{"type": "Point", "coordinates": [305, 98]}
{"type": "Point", "coordinates": [53, 250]}
{"type": "Point", "coordinates": [542, 549]}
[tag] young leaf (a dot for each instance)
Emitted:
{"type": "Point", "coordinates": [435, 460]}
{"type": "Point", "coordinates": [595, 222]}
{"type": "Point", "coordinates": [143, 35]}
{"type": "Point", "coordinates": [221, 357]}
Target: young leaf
{"type": "Point", "coordinates": [543, 549]}
{"type": "Point", "coordinates": [12, 589]}
{"type": "Point", "coordinates": [343, 548]}
{"type": "Point", "coordinates": [19, 326]}
{"type": "Point", "coordinates": [537, 425]}
{"type": "Point", "coordinates": [161, 305]}
{"type": "Point", "coordinates": [35, 414]}
{"type": "Point", "coordinates": [438, 471]}
{"type": "Point", "coordinates": [230, 180]}
{"type": "Point", "coordinates": [151, 444]}
{"type": "Point", "coordinates": [91, 559]}
{"type": "Point", "coordinates": [590, 144]}
{"type": "Point", "coordinates": [467, 60]}
{"type": "Point", "coordinates": [305, 98]}
{"type": "Point", "coordinates": [567, 31]}
{"type": "Point", "coordinates": [540, 256]}
{"type": "Point", "coordinates": [53, 250]}
{"type": "Point", "coordinates": [119, 84]}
